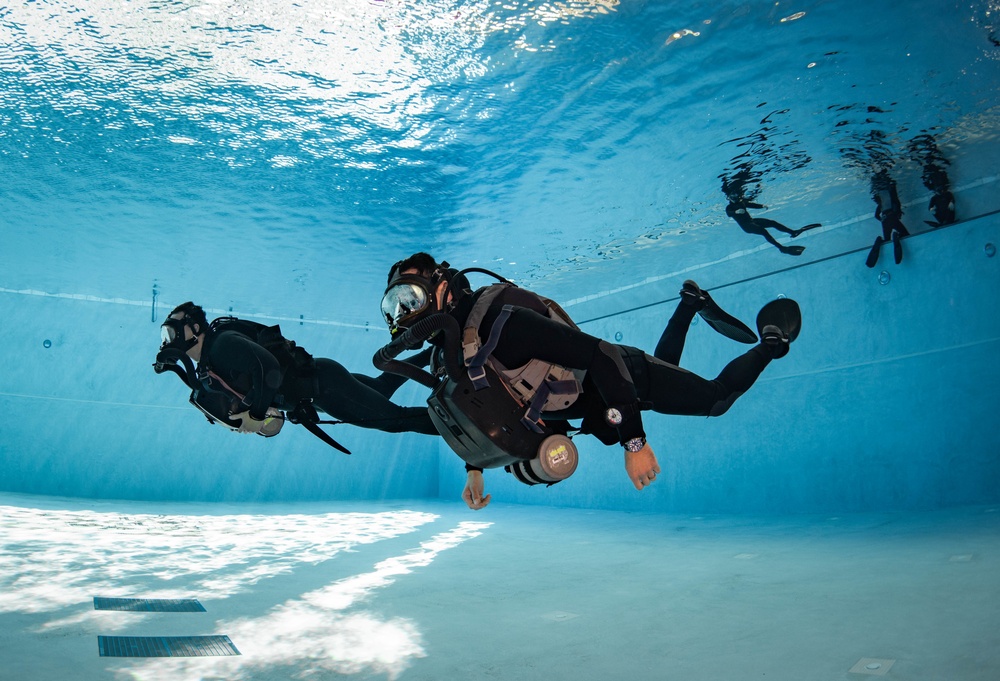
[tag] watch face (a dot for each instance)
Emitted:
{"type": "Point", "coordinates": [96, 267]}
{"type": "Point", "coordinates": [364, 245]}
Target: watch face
{"type": "Point", "coordinates": [613, 416]}
{"type": "Point", "coordinates": [635, 444]}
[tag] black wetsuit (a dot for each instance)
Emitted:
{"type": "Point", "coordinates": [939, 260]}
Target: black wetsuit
{"type": "Point", "coordinates": [617, 376]}
{"type": "Point", "coordinates": [251, 371]}
{"type": "Point", "coordinates": [737, 210]}
{"type": "Point", "coordinates": [888, 209]}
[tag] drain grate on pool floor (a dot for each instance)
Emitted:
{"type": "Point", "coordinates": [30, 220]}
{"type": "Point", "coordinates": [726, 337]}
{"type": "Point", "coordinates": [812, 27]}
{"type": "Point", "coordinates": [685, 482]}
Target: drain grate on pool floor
{"type": "Point", "coordinates": [148, 604]}
{"type": "Point", "coordinates": [165, 646]}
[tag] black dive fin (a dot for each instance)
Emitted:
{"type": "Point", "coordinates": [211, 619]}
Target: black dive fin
{"type": "Point", "coordinates": [783, 313]}
{"type": "Point", "coordinates": [322, 435]}
{"type": "Point", "coordinates": [872, 258]}
{"type": "Point", "coordinates": [726, 324]}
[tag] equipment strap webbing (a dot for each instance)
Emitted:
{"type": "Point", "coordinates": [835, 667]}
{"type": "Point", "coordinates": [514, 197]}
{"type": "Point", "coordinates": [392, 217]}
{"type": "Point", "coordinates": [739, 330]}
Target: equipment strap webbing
{"type": "Point", "coordinates": [470, 334]}
{"type": "Point", "coordinates": [533, 414]}
{"type": "Point", "coordinates": [476, 372]}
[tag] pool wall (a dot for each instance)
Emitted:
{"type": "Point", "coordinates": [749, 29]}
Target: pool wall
{"type": "Point", "coordinates": [888, 400]}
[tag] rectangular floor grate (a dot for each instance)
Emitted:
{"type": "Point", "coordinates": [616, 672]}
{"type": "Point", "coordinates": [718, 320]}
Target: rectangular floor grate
{"type": "Point", "coordinates": [165, 646]}
{"type": "Point", "coordinates": [148, 604]}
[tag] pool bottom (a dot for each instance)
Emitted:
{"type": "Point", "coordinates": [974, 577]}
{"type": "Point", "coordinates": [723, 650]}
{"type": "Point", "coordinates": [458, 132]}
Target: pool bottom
{"type": "Point", "coordinates": [431, 590]}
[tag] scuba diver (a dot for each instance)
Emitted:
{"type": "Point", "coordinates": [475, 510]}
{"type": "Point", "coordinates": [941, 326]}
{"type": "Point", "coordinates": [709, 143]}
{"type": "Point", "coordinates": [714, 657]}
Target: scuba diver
{"type": "Point", "coordinates": [942, 204]}
{"type": "Point", "coordinates": [889, 212]}
{"type": "Point", "coordinates": [506, 331]}
{"type": "Point", "coordinates": [737, 209]}
{"type": "Point", "coordinates": [250, 379]}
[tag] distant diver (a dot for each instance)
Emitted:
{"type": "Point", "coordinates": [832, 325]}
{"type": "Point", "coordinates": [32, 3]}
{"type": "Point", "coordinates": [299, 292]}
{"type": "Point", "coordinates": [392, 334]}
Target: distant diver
{"type": "Point", "coordinates": [516, 369]}
{"type": "Point", "coordinates": [942, 204]}
{"type": "Point", "coordinates": [251, 379]}
{"type": "Point", "coordinates": [737, 209]}
{"type": "Point", "coordinates": [889, 212]}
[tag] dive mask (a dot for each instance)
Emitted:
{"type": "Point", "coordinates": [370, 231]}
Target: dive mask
{"type": "Point", "coordinates": [170, 331]}
{"type": "Point", "coordinates": [172, 334]}
{"type": "Point", "coordinates": [407, 299]}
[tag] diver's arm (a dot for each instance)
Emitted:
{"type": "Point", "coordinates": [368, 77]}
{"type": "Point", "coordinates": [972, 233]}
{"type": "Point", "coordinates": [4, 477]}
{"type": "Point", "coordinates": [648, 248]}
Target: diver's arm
{"type": "Point", "coordinates": [235, 356]}
{"type": "Point", "coordinates": [641, 467]}
{"type": "Point", "coordinates": [474, 488]}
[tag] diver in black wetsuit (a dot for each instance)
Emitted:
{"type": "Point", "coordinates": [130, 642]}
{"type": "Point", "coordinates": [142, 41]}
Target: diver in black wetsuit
{"type": "Point", "coordinates": [737, 210]}
{"type": "Point", "coordinates": [942, 204]}
{"type": "Point", "coordinates": [257, 383]}
{"type": "Point", "coordinates": [734, 188]}
{"type": "Point", "coordinates": [888, 211]}
{"type": "Point", "coordinates": [620, 381]}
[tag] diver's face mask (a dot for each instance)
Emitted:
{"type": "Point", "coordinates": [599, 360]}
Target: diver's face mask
{"type": "Point", "coordinates": [172, 334]}
{"type": "Point", "coordinates": [408, 299]}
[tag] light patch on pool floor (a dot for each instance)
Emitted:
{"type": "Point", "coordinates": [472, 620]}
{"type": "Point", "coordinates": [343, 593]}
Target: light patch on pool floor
{"type": "Point", "coordinates": [872, 665]}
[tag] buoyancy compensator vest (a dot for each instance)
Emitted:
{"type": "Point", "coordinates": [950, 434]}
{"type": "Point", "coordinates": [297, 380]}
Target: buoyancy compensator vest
{"type": "Point", "coordinates": [218, 400]}
{"type": "Point", "coordinates": [489, 414]}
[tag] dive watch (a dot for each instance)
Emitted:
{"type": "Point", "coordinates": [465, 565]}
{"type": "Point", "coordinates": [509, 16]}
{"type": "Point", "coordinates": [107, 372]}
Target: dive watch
{"type": "Point", "coordinates": [635, 444]}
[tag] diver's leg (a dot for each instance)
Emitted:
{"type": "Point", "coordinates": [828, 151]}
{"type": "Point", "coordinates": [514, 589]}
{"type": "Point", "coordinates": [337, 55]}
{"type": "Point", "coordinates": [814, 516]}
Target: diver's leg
{"type": "Point", "coordinates": [673, 390]}
{"type": "Point", "coordinates": [344, 397]}
{"type": "Point", "coordinates": [671, 343]}
{"type": "Point", "coordinates": [771, 240]}
{"type": "Point", "coordinates": [695, 300]}
{"type": "Point", "coordinates": [765, 223]}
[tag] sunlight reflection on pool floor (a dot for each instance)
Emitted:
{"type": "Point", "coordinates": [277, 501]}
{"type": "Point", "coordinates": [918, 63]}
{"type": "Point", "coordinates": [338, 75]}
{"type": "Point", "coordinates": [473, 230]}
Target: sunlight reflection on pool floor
{"type": "Point", "coordinates": [53, 560]}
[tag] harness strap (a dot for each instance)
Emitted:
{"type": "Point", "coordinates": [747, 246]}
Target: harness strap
{"type": "Point", "coordinates": [533, 415]}
{"type": "Point", "coordinates": [214, 376]}
{"type": "Point", "coordinates": [475, 365]}
{"type": "Point", "coordinates": [470, 334]}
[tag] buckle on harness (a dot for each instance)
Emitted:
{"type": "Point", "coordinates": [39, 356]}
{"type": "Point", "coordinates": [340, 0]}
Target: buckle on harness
{"type": "Point", "coordinates": [477, 374]}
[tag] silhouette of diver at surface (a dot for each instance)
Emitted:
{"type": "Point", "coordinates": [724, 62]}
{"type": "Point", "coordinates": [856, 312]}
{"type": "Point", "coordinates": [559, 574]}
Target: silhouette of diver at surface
{"type": "Point", "coordinates": [924, 149]}
{"type": "Point", "coordinates": [889, 212]}
{"type": "Point", "coordinates": [737, 210]}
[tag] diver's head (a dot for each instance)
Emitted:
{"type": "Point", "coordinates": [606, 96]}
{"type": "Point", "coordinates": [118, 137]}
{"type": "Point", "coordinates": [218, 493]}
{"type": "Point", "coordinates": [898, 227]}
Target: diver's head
{"type": "Point", "coordinates": [417, 287]}
{"type": "Point", "coordinates": [184, 329]}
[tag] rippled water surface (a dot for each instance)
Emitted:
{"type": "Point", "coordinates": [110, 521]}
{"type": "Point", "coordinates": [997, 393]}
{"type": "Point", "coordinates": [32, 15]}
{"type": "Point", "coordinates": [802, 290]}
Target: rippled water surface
{"type": "Point", "coordinates": [281, 156]}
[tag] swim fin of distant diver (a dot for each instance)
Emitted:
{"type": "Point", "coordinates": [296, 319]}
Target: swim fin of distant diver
{"type": "Point", "coordinates": [814, 225]}
{"type": "Point", "coordinates": [720, 320]}
{"type": "Point", "coordinates": [873, 254]}
{"type": "Point", "coordinates": [779, 323]}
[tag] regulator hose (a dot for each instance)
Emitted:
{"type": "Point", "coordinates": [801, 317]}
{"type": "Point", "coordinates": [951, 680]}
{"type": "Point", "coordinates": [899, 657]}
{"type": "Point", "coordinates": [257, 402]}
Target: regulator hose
{"type": "Point", "coordinates": [414, 337]}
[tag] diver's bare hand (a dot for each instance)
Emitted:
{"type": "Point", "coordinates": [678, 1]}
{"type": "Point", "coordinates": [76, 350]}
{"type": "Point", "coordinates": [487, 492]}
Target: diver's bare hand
{"type": "Point", "coordinates": [473, 492]}
{"type": "Point", "coordinates": [641, 466]}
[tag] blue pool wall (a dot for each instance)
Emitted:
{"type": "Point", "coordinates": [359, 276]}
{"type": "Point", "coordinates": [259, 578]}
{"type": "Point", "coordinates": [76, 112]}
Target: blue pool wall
{"type": "Point", "coordinates": [887, 401]}
{"type": "Point", "coordinates": [88, 417]}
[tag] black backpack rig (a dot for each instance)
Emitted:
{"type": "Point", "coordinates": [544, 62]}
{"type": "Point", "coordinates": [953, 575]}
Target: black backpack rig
{"type": "Point", "coordinates": [489, 415]}
{"type": "Point", "coordinates": [218, 401]}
